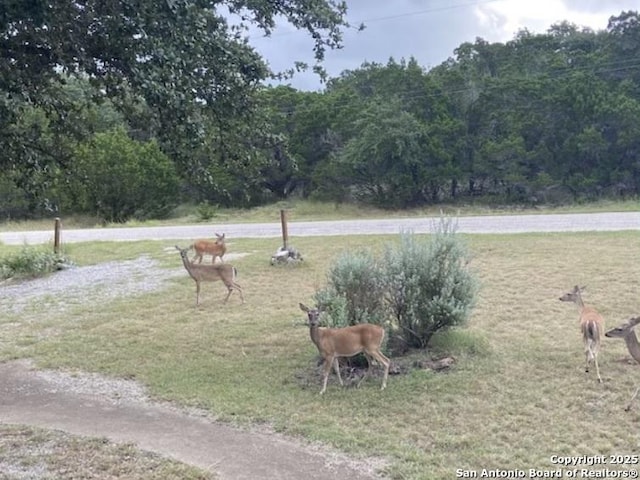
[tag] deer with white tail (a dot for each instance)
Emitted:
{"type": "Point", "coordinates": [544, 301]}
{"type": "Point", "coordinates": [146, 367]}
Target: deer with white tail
{"type": "Point", "coordinates": [210, 273]}
{"type": "Point", "coordinates": [591, 326]}
{"type": "Point", "coordinates": [215, 248]}
{"type": "Point", "coordinates": [334, 343]}
{"type": "Point", "coordinates": [626, 331]}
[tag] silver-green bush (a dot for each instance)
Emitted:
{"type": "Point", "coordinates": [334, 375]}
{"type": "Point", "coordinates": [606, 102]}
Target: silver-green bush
{"type": "Point", "coordinates": [422, 285]}
{"type": "Point", "coordinates": [429, 285]}
{"type": "Point", "coordinates": [355, 291]}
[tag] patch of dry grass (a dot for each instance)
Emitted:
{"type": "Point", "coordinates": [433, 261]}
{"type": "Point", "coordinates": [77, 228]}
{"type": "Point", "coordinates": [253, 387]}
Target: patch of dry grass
{"type": "Point", "coordinates": [517, 395]}
{"type": "Point", "coordinates": [27, 452]}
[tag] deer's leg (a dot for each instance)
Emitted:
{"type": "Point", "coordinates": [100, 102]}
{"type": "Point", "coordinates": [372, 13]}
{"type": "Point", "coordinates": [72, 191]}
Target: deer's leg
{"type": "Point", "coordinates": [229, 292]}
{"type": "Point", "coordinates": [366, 373]}
{"type": "Point", "coordinates": [383, 361]}
{"type": "Point", "coordinates": [239, 288]}
{"type": "Point", "coordinates": [595, 360]}
{"type": "Point", "coordinates": [587, 357]}
{"type": "Point", "coordinates": [197, 293]}
{"type": "Point", "coordinates": [336, 367]}
{"type": "Point", "coordinates": [328, 363]}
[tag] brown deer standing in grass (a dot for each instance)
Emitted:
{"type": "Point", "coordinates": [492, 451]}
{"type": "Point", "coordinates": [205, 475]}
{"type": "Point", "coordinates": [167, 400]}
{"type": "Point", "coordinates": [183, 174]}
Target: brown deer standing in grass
{"type": "Point", "coordinates": [333, 343]}
{"type": "Point", "coordinates": [215, 248]}
{"type": "Point", "coordinates": [211, 273]}
{"type": "Point", "coordinates": [591, 326]}
{"type": "Point", "coordinates": [626, 331]}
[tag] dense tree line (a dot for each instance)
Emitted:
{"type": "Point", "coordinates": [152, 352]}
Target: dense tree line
{"type": "Point", "coordinates": [127, 108]}
{"type": "Point", "coordinates": [543, 118]}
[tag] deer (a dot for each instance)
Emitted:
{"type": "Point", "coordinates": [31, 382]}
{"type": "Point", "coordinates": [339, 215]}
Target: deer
{"type": "Point", "coordinates": [591, 326]}
{"type": "Point", "coordinates": [626, 331]}
{"type": "Point", "coordinates": [215, 248]}
{"type": "Point", "coordinates": [333, 343]}
{"type": "Point", "coordinates": [211, 273]}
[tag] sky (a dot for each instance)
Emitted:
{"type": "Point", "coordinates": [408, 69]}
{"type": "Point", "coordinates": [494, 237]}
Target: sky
{"type": "Point", "coordinates": [429, 30]}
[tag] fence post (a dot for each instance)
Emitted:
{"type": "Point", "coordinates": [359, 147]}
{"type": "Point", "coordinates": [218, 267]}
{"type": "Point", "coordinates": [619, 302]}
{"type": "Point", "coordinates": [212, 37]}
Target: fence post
{"type": "Point", "coordinates": [56, 236]}
{"type": "Point", "coordinates": [285, 233]}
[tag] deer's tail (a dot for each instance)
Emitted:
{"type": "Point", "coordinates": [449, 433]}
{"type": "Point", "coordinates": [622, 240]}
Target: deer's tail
{"type": "Point", "coordinates": [591, 333]}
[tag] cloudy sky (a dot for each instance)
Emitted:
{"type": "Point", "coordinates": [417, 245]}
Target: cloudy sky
{"type": "Point", "coordinates": [429, 30]}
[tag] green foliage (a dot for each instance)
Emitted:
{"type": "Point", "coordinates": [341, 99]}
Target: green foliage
{"type": "Point", "coordinates": [180, 72]}
{"type": "Point", "coordinates": [31, 262]}
{"type": "Point", "coordinates": [354, 292]}
{"type": "Point", "coordinates": [386, 158]}
{"type": "Point", "coordinates": [206, 211]}
{"type": "Point", "coordinates": [119, 178]}
{"type": "Point", "coordinates": [14, 199]}
{"type": "Point", "coordinates": [429, 284]}
{"type": "Point", "coordinates": [497, 123]}
{"type": "Point", "coordinates": [421, 286]}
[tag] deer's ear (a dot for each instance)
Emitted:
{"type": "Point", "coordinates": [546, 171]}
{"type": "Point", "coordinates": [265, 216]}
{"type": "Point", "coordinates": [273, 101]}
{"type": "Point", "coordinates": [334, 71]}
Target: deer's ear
{"type": "Point", "coordinates": [304, 308]}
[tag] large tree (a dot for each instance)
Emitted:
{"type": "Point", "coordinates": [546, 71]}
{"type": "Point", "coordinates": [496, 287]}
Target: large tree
{"type": "Point", "coordinates": [188, 61]}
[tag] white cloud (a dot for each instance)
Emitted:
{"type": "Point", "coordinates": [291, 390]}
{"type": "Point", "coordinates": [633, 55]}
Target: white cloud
{"type": "Point", "coordinates": [504, 18]}
{"type": "Point", "coordinates": [430, 30]}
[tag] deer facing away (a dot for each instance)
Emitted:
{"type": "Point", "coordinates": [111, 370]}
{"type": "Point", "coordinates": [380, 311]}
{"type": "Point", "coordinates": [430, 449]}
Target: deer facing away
{"type": "Point", "coordinates": [591, 326]}
{"type": "Point", "coordinates": [626, 331]}
{"type": "Point", "coordinates": [215, 248]}
{"type": "Point", "coordinates": [333, 343]}
{"type": "Point", "coordinates": [211, 273]}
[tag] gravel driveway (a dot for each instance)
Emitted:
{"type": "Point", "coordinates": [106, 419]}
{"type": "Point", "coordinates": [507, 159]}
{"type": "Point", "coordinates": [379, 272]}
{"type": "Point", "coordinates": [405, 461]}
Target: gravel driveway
{"type": "Point", "coordinates": [478, 224]}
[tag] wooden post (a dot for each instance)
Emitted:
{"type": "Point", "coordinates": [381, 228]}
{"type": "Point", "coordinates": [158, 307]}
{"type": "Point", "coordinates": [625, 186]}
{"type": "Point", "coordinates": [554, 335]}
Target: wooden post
{"type": "Point", "coordinates": [56, 236]}
{"type": "Point", "coordinates": [285, 233]}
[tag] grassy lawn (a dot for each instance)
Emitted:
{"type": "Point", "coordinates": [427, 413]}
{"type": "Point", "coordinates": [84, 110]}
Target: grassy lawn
{"type": "Point", "coordinates": [516, 396]}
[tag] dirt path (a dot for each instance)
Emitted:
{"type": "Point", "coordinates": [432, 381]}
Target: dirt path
{"type": "Point", "coordinates": [41, 399]}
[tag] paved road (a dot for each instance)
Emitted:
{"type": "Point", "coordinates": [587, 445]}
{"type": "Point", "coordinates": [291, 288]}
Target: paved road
{"type": "Point", "coordinates": [480, 224]}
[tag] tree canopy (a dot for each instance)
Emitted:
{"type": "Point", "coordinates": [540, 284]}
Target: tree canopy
{"type": "Point", "coordinates": [546, 117]}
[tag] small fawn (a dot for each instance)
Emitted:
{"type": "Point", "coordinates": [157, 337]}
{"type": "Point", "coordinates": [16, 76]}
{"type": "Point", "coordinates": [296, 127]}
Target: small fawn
{"type": "Point", "coordinates": [211, 273]}
{"type": "Point", "coordinates": [333, 343]}
{"type": "Point", "coordinates": [591, 326]}
{"type": "Point", "coordinates": [215, 248]}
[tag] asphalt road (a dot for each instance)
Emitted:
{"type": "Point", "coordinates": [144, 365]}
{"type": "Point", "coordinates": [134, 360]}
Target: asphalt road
{"type": "Point", "coordinates": [498, 224]}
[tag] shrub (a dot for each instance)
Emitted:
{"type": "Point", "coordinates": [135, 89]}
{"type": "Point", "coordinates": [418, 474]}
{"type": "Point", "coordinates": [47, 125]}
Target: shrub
{"type": "Point", "coordinates": [422, 286]}
{"type": "Point", "coordinates": [31, 262]}
{"type": "Point", "coordinates": [206, 211]}
{"type": "Point", "coordinates": [355, 291]}
{"type": "Point", "coordinates": [429, 286]}
{"type": "Point", "coordinates": [119, 178]}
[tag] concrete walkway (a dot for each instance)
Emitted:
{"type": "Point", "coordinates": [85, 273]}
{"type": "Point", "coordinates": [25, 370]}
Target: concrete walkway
{"type": "Point", "coordinates": [27, 398]}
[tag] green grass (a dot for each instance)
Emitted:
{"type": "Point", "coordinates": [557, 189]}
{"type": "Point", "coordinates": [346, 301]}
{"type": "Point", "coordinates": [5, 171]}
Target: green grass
{"type": "Point", "coordinates": [30, 262]}
{"type": "Point", "coordinates": [517, 395]}
{"type": "Point", "coordinates": [305, 210]}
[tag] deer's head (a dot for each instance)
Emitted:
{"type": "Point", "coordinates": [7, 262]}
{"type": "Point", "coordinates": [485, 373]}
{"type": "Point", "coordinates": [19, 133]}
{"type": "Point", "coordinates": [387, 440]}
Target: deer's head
{"type": "Point", "coordinates": [623, 330]}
